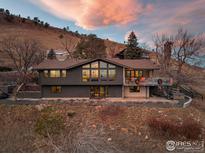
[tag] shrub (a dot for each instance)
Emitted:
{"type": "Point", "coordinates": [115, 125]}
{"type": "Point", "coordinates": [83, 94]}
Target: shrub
{"type": "Point", "coordinates": [46, 25]}
{"type": "Point", "coordinates": [71, 113]}
{"type": "Point", "coordinates": [5, 69]}
{"type": "Point", "coordinates": [189, 128]}
{"type": "Point", "coordinates": [49, 123]}
{"type": "Point", "coordinates": [23, 20]}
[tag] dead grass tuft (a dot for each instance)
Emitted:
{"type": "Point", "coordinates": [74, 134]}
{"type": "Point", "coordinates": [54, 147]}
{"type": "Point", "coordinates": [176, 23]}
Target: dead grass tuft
{"type": "Point", "coordinates": [49, 122]}
{"type": "Point", "coordinates": [110, 111]}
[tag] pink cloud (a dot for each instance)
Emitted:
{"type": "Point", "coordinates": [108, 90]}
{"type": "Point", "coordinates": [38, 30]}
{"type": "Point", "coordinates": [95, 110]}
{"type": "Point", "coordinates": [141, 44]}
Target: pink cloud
{"type": "Point", "coordinates": [91, 14]}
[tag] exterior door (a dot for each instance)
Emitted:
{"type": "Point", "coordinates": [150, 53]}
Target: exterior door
{"type": "Point", "coordinates": [98, 91]}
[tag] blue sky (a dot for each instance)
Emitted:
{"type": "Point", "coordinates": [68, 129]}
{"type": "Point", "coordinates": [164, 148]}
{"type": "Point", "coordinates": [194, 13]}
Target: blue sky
{"type": "Point", "coordinates": [115, 19]}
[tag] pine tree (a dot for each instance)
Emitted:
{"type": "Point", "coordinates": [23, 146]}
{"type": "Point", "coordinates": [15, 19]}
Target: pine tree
{"type": "Point", "coordinates": [132, 50]}
{"type": "Point", "coordinates": [51, 54]}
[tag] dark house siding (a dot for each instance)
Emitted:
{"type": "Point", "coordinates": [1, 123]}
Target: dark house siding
{"type": "Point", "coordinates": [74, 77]}
{"type": "Point", "coordinates": [79, 91]}
{"type": "Point", "coordinates": [115, 91]}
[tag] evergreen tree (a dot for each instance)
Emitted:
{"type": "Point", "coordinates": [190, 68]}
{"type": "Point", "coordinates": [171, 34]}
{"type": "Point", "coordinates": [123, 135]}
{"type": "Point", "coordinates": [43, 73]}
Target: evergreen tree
{"type": "Point", "coordinates": [132, 50]}
{"type": "Point", "coordinates": [90, 47]}
{"type": "Point", "coordinates": [51, 54]}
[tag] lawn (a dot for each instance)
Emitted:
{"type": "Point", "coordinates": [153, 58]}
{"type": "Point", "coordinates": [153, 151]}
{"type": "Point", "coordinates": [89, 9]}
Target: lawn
{"type": "Point", "coordinates": [82, 128]}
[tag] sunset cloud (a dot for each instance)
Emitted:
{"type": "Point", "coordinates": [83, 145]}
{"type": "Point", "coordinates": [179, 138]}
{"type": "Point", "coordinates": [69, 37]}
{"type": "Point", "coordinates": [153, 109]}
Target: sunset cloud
{"type": "Point", "coordinates": [91, 14]}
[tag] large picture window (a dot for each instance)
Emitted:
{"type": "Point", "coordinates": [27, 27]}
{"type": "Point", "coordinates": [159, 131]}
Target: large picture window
{"type": "Point", "coordinates": [98, 71]}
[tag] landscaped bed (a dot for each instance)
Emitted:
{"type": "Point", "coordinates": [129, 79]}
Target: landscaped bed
{"type": "Point", "coordinates": [61, 127]}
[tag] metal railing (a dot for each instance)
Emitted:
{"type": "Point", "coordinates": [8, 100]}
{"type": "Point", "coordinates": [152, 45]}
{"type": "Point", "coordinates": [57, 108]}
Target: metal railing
{"type": "Point", "coordinates": [152, 81]}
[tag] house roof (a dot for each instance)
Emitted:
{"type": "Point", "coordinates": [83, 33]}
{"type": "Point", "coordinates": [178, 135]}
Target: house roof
{"type": "Point", "coordinates": [71, 63]}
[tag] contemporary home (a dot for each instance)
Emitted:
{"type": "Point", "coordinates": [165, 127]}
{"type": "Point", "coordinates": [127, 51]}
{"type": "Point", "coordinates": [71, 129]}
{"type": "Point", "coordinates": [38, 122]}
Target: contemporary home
{"type": "Point", "coordinates": [98, 78]}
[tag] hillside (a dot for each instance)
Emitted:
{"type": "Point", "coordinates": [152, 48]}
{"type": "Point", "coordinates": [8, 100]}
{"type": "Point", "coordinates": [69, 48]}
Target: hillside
{"type": "Point", "coordinates": [49, 37]}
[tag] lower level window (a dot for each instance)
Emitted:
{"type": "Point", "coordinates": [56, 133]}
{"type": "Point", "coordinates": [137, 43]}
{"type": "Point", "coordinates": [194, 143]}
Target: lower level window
{"type": "Point", "coordinates": [56, 89]}
{"type": "Point", "coordinates": [134, 89]}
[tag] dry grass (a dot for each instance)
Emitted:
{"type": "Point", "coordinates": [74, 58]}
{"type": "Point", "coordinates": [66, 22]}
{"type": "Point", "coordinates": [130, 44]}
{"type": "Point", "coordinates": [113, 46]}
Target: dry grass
{"type": "Point", "coordinates": [125, 129]}
{"type": "Point", "coordinates": [49, 38]}
{"type": "Point", "coordinates": [188, 128]}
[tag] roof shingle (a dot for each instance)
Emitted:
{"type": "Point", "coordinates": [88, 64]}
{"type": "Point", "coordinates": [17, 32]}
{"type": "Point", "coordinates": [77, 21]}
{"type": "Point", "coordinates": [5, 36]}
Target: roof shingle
{"type": "Point", "coordinates": [70, 63]}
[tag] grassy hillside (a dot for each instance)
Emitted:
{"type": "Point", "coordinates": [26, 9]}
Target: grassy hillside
{"type": "Point", "coordinates": [49, 37]}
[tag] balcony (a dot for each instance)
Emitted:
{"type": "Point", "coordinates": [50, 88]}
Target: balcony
{"type": "Point", "coordinates": [152, 81]}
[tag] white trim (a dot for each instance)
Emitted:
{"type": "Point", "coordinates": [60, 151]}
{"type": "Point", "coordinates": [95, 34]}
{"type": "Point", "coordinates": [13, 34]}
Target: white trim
{"type": "Point", "coordinates": [186, 104]}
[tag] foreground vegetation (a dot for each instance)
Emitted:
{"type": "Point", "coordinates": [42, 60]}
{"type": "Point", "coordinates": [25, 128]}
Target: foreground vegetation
{"type": "Point", "coordinates": [81, 128]}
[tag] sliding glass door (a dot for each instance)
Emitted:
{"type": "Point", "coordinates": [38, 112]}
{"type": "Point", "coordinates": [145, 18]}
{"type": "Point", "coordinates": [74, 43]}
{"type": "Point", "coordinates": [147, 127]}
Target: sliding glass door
{"type": "Point", "coordinates": [98, 91]}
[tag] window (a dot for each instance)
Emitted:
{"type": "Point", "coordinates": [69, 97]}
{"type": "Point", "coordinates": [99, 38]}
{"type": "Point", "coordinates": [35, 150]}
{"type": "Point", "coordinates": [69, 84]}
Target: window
{"type": "Point", "coordinates": [112, 74]}
{"type": "Point", "coordinates": [111, 66]}
{"type": "Point", "coordinates": [138, 74]}
{"type": "Point", "coordinates": [86, 66]}
{"type": "Point", "coordinates": [98, 70]}
{"type": "Point", "coordinates": [63, 73]}
{"type": "Point", "coordinates": [103, 64]}
{"type": "Point", "coordinates": [86, 75]}
{"type": "Point", "coordinates": [46, 73]}
{"type": "Point", "coordinates": [98, 91]}
{"type": "Point", "coordinates": [94, 64]}
{"type": "Point", "coordinates": [56, 89]}
{"type": "Point", "coordinates": [94, 75]}
{"type": "Point", "coordinates": [103, 74]}
{"type": "Point", "coordinates": [134, 89]}
{"type": "Point", "coordinates": [133, 74]}
{"type": "Point", "coordinates": [55, 73]}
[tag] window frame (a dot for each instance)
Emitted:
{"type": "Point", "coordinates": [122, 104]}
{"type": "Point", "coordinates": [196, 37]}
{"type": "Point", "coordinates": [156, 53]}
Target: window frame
{"type": "Point", "coordinates": [100, 67]}
{"type": "Point", "coordinates": [56, 89]}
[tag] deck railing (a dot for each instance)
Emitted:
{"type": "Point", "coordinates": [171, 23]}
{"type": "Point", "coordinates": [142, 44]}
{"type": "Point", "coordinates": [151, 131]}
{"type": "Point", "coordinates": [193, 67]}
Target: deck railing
{"type": "Point", "coordinates": [154, 81]}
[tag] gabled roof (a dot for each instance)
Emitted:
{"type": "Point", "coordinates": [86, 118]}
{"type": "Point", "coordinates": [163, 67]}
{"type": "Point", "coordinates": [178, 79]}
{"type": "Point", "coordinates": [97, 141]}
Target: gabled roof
{"type": "Point", "coordinates": [71, 63]}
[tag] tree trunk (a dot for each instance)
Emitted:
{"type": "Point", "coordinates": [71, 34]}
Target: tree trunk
{"type": "Point", "coordinates": [16, 91]}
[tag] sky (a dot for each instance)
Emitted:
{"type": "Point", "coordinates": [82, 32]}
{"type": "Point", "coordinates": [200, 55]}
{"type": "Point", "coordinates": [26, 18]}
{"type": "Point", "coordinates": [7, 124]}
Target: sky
{"type": "Point", "coordinates": [115, 19]}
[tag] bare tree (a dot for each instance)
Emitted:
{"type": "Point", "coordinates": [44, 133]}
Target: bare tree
{"type": "Point", "coordinates": [111, 50]}
{"type": "Point", "coordinates": [23, 53]}
{"type": "Point", "coordinates": [182, 47]}
{"type": "Point", "coordinates": [163, 46]}
{"type": "Point", "coordinates": [186, 47]}
{"type": "Point", "coordinates": [69, 44]}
